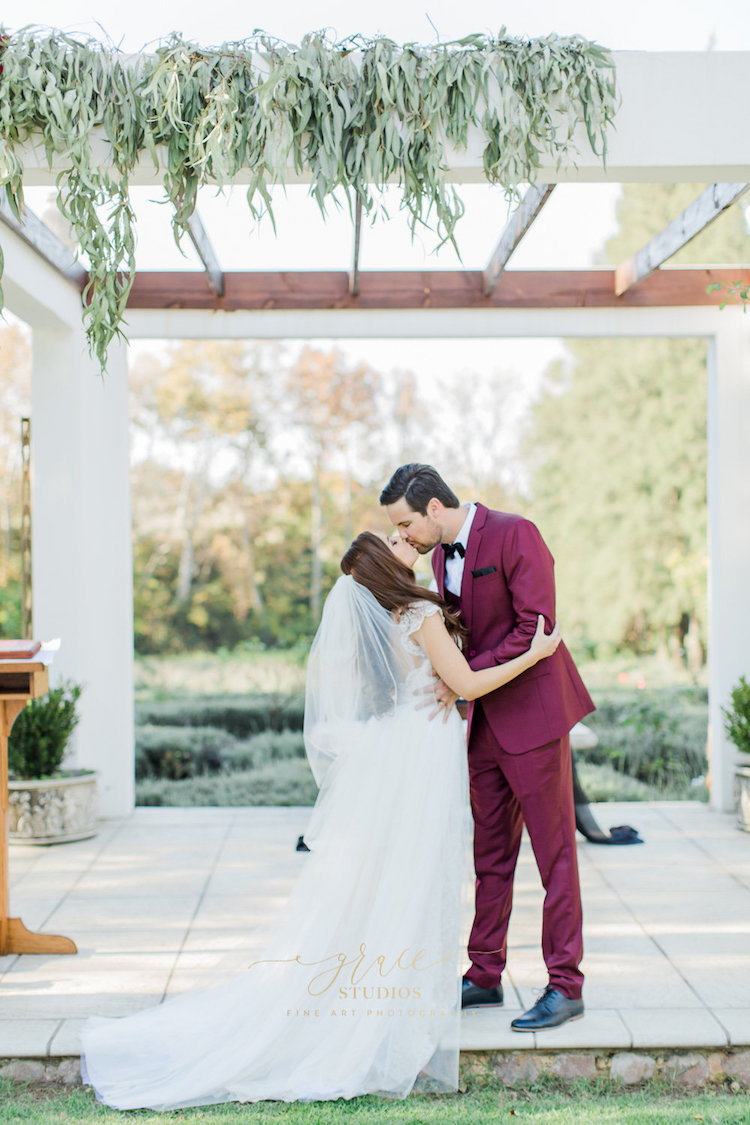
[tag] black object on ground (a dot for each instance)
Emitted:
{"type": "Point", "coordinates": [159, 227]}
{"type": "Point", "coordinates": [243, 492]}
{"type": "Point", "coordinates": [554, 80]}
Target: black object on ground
{"type": "Point", "coordinates": [587, 825]}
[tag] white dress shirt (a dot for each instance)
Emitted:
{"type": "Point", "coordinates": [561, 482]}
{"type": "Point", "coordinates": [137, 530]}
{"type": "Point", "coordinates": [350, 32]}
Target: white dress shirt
{"type": "Point", "coordinates": [454, 568]}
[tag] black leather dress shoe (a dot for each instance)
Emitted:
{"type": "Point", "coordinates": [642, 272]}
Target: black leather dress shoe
{"type": "Point", "coordinates": [550, 1010]}
{"type": "Point", "coordinates": [472, 996]}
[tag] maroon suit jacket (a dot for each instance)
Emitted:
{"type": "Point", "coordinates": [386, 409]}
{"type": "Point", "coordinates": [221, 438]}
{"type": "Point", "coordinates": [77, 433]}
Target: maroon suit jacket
{"type": "Point", "coordinates": [500, 609]}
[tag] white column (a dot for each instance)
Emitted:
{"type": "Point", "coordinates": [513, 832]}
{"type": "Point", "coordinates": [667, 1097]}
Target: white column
{"type": "Point", "coordinates": [81, 546]}
{"type": "Point", "coordinates": [729, 534]}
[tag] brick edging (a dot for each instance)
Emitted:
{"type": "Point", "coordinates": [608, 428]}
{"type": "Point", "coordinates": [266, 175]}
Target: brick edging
{"type": "Point", "coordinates": [689, 1069]}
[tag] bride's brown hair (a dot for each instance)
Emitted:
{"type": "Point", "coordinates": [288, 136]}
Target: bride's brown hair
{"type": "Point", "coordinates": [372, 563]}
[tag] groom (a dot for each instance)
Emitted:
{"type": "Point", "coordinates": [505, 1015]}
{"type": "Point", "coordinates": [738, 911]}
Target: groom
{"type": "Point", "coordinates": [497, 569]}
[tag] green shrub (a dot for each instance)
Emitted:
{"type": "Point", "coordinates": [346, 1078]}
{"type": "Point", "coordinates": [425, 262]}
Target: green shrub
{"type": "Point", "coordinates": [268, 746]}
{"type": "Point", "coordinates": [737, 717]}
{"type": "Point", "coordinates": [280, 783]}
{"type": "Point", "coordinates": [41, 732]}
{"type": "Point", "coordinates": [176, 752]}
{"type": "Point", "coordinates": [658, 738]}
{"type": "Point", "coordinates": [240, 715]}
{"type": "Point", "coordinates": [604, 783]}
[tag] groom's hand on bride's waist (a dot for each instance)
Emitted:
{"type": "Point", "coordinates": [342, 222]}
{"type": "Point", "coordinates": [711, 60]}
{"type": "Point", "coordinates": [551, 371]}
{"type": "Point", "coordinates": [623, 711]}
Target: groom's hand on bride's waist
{"type": "Point", "coordinates": [438, 696]}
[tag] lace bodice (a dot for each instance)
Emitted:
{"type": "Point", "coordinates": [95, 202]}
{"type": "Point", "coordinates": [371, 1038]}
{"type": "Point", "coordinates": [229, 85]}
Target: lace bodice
{"type": "Point", "coordinates": [408, 623]}
{"type": "Point", "coordinates": [411, 620]}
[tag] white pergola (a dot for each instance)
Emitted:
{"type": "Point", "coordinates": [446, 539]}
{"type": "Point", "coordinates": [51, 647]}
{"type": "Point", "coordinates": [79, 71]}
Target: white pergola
{"type": "Point", "coordinates": [683, 118]}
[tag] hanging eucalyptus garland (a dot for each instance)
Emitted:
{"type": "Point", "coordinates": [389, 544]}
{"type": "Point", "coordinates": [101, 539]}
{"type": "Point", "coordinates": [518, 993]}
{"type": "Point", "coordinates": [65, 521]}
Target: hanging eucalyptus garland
{"type": "Point", "coordinates": [354, 115]}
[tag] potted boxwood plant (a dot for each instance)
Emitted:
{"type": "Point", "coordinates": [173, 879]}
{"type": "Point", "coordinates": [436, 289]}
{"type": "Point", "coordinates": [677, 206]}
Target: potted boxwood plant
{"type": "Point", "coordinates": [48, 804]}
{"type": "Point", "coordinates": [737, 726]}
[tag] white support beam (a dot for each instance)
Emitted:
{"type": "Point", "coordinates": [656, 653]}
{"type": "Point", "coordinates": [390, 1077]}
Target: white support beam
{"type": "Point", "coordinates": [196, 324]}
{"type": "Point", "coordinates": [683, 117]}
{"type": "Point", "coordinates": [729, 536]}
{"type": "Point", "coordinates": [703, 211]}
{"type": "Point", "coordinates": [45, 243]}
{"type": "Point", "coordinates": [206, 253]}
{"type": "Point", "coordinates": [33, 289]}
{"type": "Point", "coordinates": [354, 271]}
{"type": "Point", "coordinates": [81, 546]}
{"type": "Point", "coordinates": [522, 218]}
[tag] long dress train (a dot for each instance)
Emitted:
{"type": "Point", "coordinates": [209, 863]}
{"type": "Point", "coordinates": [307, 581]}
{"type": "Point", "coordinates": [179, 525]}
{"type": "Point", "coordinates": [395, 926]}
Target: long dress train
{"type": "Point", "coordinates": [359, 989]}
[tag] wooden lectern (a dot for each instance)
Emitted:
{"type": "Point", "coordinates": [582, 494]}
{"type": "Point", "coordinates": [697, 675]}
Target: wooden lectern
{"type": "Point", "coordinates": [20, 680]}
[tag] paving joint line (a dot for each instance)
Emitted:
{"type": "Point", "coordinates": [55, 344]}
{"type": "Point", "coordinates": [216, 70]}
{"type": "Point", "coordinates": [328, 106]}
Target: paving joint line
{"type": "Point", "coordinates": [719, 863]}
{"type": "Point", "coordinates": [661, 950]}
{"type": "Point", "coordinates": [219, 851]}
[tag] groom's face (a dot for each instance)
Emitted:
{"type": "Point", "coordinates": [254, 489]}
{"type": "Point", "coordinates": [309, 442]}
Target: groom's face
{"type": "Point", "coordinates": [422, 532]}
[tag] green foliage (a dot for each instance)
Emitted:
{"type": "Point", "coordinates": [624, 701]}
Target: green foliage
{"type": "Point", "coordinates": [737, 716]}
{"type": "Point", "coordinates": [174, 752]}
{"type": "Point", "coordinates": [658, 738]}
{"type": "Point", "coordinates": [730, 289]}
{"type": "Point", "coordinates": [353, 114]}
{"type": "Point", "coordinates": [261, 749]}
{"type": "Point", "coordinates": [162, 623]}
{"type": "Point", "coordinates": [605, 783]}
{"type": "Point", "coordinates": [10, 609]}
{"type": "Point", "coordinates": [240, 715]}
{"type": "Point", "coordinates": [280, 783]}
{"type": "Point", "coordinates": [618, 463]}
{"type": "Point", "coordinates": [40, 734]}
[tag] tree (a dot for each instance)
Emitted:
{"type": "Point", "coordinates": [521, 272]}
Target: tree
{"type": "Point", "coordinates": [202, 408]}
{"type": "Point", "coordinates": [15, 394]}
{"type": "Point", "coordinates": [618, 456]}
{"type": "Point", "coordinates": [331, 413]}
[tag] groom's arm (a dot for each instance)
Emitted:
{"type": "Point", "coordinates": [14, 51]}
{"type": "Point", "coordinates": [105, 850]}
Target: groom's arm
{"type": "Point", "coordinates": [529, 572]}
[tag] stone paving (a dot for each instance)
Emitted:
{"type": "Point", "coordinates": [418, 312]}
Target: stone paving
{"type": "Point", "coordinates": [175, 899]}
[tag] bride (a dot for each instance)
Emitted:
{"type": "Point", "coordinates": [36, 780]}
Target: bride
{"type": "Point", "coordinates": [359, 989]}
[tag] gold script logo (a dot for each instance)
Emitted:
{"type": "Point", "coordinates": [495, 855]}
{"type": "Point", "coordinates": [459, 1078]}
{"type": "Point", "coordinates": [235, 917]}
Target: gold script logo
{"type": "Point", "coordinates": [358, 976]}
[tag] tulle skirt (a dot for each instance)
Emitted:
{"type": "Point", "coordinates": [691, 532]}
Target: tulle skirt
{"type": "Point", "coordinates": [358, 991]}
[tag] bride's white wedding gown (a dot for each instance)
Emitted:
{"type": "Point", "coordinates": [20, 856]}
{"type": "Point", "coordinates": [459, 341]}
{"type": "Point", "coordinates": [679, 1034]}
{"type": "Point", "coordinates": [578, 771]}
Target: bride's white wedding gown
{"type": "Point", "coordinates": [359, 989]}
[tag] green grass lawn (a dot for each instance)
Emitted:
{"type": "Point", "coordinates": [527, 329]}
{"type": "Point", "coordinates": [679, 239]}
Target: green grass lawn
{"type": "Point", "coordinates": [216, 673]}
{"type": "Point", "coordinates": [581, 1104]}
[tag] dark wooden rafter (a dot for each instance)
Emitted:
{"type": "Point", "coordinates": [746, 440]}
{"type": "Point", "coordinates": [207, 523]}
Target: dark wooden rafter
{"type": "Point", "coordinates": [702, 211]}
{"type": "Point", "coordinates": [420, 289]}
{"type": "Point", "coordinates": [354, 272]}
{"type": "Point", "coordinates": [46, 244]}
{"type": "Point", "coordinates": [519, 222]}
{"type": "Point", "coordinates": [206, 253]}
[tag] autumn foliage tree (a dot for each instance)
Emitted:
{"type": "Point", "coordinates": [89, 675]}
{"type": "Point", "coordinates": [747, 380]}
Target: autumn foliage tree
{"type": "Point", "coordinates": [618, 462]}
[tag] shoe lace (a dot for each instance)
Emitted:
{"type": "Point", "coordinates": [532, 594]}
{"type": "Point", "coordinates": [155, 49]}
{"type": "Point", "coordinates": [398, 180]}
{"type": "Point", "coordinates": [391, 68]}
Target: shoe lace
{"type": "Point", "coordinates": [542, 996]}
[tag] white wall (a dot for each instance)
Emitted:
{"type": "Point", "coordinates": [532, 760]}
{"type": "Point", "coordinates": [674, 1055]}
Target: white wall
{"type": "Point", "coordinates": [729, 533]}
{"type": "Point", "coordinates": [81, 546]}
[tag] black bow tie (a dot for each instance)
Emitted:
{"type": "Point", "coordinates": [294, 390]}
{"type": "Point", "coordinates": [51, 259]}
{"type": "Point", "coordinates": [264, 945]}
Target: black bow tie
{"type": "Point", "coordinates": [452, 549]}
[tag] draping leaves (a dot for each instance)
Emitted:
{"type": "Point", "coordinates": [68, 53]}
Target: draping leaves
{"type": "Point", "coordinates": [354, 115]}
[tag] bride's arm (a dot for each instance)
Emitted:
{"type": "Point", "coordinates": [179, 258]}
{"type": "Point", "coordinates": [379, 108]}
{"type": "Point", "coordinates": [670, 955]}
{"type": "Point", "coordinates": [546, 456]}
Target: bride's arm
{"type": "Point", "coordinates": [449, 663]}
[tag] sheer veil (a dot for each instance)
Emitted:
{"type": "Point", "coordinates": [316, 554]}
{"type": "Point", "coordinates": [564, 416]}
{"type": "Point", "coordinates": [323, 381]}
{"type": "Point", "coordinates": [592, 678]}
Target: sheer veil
{"type": "Point", "coordinates": [356, 672]}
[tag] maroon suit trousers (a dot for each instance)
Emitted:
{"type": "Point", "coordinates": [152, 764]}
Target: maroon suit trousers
{"type": "Point", "coordinates": [508, 790]}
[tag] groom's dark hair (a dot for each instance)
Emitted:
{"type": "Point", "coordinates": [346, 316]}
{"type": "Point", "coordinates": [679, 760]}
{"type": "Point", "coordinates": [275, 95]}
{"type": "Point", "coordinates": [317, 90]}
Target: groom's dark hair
{"type": "Point", "coordinates": [417, 484]}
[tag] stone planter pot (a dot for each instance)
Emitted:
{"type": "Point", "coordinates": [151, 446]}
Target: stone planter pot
{"type": "Point", "coordinates": [742, 794]}
{"type": "Point", "coordinates": [53, 811]}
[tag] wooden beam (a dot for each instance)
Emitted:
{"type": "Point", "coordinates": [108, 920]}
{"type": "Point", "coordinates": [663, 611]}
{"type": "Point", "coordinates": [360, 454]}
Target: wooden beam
{"type": "Point", "coordinates": [354, 272]}
{"type": "Point", "coordinates": [46, 244]}
{"type": "Point", "coordinates": [518, 224]}
{"type": "Point", "coordinates": [410, 289]}
{"type": "Point", "coordinates": [702, 211]}
{"type": "Point", "coordinates": [206, 253]}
